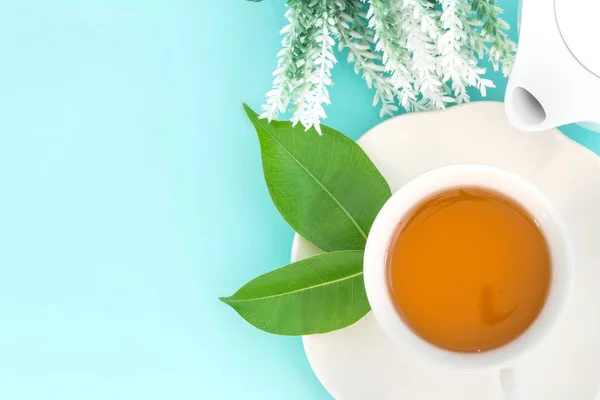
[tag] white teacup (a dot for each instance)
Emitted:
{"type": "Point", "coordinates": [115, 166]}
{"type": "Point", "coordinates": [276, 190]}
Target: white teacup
{"type": "Point", "coordinates": [515, 188]}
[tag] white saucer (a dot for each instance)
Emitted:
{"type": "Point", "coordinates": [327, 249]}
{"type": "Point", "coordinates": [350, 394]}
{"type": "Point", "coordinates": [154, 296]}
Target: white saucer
{"type": "Point", "coordinates": [360, 362]}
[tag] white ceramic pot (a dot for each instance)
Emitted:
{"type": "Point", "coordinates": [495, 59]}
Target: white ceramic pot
{"type": "Point", "coordinates": [555, 79]}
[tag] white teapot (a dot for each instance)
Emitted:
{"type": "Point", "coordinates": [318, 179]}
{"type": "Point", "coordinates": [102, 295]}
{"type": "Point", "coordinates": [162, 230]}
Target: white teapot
{"type": "Point", "coordinates": [555, 79]}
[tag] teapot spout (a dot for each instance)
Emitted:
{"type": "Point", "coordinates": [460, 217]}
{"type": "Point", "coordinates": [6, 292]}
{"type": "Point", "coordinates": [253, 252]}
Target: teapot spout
{"type": "Point", "coordinates": [541, 96]}
{"type": "Point", "coordinates": [524, 110]}
{"type": "Point", "coordinates": [537, 89]}
{"type": "Point", "coordinates": [544, 93]}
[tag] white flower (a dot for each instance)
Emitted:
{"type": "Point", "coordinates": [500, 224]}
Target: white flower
{"type": "Point", "coordinates": [419, 21]}
{"type": "Point", "coordinates": [457, 57]}
{"type": "Point", "coordinates": [391, 42]}
{"type": "Point", "coordinates": [419, 54]}
{"type": "Point", "coordinates": [493, 28]}
{"type": "Point", "coordinates": [359, 38]}
{"type": "Point", "coordinates": [309, 103]}
{"type": "Point", "coordinates": [278, 98]}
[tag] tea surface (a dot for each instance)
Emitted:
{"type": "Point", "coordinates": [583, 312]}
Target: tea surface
{"type": "Point", "coordinates": [469, 270]}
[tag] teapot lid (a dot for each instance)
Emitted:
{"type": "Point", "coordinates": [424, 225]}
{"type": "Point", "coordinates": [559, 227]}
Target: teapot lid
{"type": "Point", "coordinates": [580, 29]}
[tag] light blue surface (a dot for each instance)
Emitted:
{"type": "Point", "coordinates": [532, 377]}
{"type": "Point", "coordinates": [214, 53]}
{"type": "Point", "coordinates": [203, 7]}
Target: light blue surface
{"type": "Point", "coordinates": [132, 197]}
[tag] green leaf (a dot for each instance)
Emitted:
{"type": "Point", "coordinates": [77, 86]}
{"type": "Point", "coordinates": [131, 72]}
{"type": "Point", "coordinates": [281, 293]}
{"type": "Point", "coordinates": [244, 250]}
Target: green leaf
{"type": "Point", "coordinates": [325, 187]}
{"type": "Point", "coordinates": [315, 295]}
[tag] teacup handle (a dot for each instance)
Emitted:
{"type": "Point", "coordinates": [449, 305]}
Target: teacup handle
{"type": "Point", "coordinates": [508, 381]}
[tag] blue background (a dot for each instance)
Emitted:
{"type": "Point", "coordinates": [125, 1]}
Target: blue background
{"type": "Point", "coordinates": [132, 197]}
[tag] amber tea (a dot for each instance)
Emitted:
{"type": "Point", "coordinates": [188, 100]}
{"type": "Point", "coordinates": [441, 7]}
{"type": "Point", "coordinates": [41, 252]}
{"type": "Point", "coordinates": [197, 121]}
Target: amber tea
{"type": "Point", "coordinates": [469, 269]}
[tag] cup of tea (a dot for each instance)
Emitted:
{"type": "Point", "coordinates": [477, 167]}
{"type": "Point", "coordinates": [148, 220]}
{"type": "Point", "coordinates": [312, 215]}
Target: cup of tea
{"type": "Point", "coordinates": [469, 267]}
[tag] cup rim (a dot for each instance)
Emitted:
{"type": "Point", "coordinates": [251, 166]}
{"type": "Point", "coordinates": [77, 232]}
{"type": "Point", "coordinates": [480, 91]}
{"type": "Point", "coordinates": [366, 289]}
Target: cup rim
{"type": "Point", "coordinates": [410, 195]}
